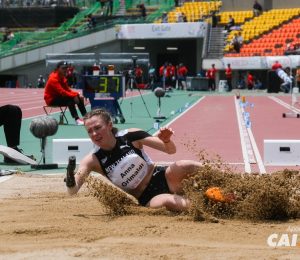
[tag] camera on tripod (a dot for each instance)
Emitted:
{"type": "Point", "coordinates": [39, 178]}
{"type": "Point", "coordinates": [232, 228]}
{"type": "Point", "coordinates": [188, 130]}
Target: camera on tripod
{"type": "Point", "coordinates": [134, 60]}
{"type": "Point", "coordinates": [131, 74]}
{"type": "Point", "coordinates": [131, 71]}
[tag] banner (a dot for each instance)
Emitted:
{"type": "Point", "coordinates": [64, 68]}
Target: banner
{"type": "Point", "coordinates": [161, 30]}
{"type": "Point", "coordinates": [243, 63]}
{"type": "Point", "coordinates": [255, 63]}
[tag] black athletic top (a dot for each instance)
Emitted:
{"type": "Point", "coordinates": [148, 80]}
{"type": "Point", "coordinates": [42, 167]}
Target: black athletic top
{"type": "Point", "coordinates": [125, 165]}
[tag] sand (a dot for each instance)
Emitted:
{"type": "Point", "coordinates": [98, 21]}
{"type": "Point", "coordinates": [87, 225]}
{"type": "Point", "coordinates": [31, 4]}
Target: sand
{"type": "Point", "coordinates": [40, 221]}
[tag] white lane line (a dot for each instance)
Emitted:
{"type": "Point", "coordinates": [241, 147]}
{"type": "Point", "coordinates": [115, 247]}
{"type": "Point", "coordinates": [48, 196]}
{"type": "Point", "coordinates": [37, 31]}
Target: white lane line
{"type": "Point", "coordinates": [284, 104]}
{"type": "Point", "coordinates": [32, 108]}
{"type": "Point", "coordinates": [248, 144]}
{"type": "Point", "coordinates": [181, 114]}
{"type": "Point", "coordinates": [170, 162]}
{"type": "Point", "coordinates": [242, 137]}
{"type": "Point", "coordinates": [253, 150]}
{"type": "Point", "coordinates": [259, 160]}
{"type": "Point", "coordinates": [56, 112]}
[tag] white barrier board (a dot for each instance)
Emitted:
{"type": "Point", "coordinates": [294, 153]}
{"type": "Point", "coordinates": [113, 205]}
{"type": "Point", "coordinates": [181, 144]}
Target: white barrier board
{"type": "Point", "coordinates": [62, 149]}
{"type": "Point", "coordinates": [282, 152]}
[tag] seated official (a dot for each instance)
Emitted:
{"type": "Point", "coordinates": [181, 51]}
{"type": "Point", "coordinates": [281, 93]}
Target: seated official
{"type": "Point", "coordinates": [58, 93]}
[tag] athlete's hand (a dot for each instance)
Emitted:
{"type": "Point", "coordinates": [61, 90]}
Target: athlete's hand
{"type": "Point", "coordinates": [165, 134]}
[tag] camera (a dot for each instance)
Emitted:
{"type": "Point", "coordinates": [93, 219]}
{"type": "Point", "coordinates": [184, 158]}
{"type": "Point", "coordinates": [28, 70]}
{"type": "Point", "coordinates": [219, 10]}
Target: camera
{"type": "Point", "coordinates": [134, 59]}
{"type": "Point", "coordinates": [131, 73]}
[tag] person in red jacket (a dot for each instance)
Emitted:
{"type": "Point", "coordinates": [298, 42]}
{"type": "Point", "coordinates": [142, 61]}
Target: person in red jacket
{"type": "Point", "coordinates": [181, 76]}
{"type": "Point", "coordinates": [171, 79]}
{"type": "Point", "coordinates": [58, 93]}
{"type": "Point", "coordinates": [228, 74]}
{"type": "Point", "coordinates": [164, 74]}
{"type": "Point", "coordinates": [138, 74]}
{"type": "Point", "coordinates": [250, 80]}
{"type": "Point", "coordinates": [276, 65]}
{"type": "Point", "coordinates": [211, 75]}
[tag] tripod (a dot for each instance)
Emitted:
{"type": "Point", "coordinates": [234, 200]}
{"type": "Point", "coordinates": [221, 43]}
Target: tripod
{"type": "Point", "coordinates": [132, 81]}
{"type": "Point", "coordinates": [159, 115]}
{"type": "Point", "coordinates": [44, 165]}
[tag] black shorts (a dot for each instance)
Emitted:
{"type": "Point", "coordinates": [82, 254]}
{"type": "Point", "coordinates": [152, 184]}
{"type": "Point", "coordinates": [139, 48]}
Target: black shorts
{"type": "Point", "coordinates": [157, 185]}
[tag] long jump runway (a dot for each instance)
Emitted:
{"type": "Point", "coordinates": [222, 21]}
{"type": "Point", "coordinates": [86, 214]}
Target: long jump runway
{"type": "Point", "coordinates": [216, 125]}
{"type": "Point", "coordinates": [211, 122]}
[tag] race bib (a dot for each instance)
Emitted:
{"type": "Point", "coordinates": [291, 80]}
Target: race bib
{"type": "Point", "coordinates": [129, 172]}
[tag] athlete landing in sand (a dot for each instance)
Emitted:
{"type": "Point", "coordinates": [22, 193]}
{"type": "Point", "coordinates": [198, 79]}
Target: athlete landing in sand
{"type": "Point", "coordinates": [120, 157]}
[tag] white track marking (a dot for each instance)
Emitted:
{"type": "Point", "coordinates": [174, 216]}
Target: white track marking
{"type": "Point", "coordinates": [253, 150]}
{"type": "Point", "coordinates": [243, 137]}
{"type": "Point", "coordinates": [181, 114]}
{"type": "Point", "coordinates": [284, 104]}
{"type": "Point", "coordinates": [259, 160]}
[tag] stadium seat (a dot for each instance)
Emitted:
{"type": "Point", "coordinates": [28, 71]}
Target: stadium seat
{"type": "Point", "coordinates": [194, 11]}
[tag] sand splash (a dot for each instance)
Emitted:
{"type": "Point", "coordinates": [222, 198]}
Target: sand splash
{"type": "Point", "coordinates": [273, 196]}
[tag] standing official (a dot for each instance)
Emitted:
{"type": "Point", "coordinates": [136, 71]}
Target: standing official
{"type": "Point", "coordinates": [228, 74]}
{"type": "Point", "coordinates": [211, 75]}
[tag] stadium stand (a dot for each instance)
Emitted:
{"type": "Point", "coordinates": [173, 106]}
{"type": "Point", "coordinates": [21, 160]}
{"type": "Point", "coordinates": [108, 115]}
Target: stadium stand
{"type": "Point", "coordinates": [26, 39]}
{"type": "Point", "coordinates": [275, 43]}
{"type": "Point", "coordinates": [240, 17]}
{"type": "Point", "coordinates": [261, 34]}
{"type": "Point", "coordinates": [77, 26]}
{"type": "Point", "coordinates": [194, 11]}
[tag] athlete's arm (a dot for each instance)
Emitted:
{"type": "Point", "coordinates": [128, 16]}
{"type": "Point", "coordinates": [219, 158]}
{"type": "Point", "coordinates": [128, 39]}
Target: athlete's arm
{"type": "Point", "coordinates": [161, 142]}
{"type": "Point", "coordinates": [88, 164]}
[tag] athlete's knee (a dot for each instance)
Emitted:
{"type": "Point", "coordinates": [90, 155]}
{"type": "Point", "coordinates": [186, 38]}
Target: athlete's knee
{"type": "Point", "coordinates": [188, 166]}
{"type": "Point", "coordinates": [18, 112]}
{"type": "Point", "coordinates": [14, 111]}
{"type": "Point", "coordinates": [176, 203]}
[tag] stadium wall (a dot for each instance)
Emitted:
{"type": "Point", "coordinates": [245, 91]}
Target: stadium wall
{"type": "Point", "coordinates": [286, 4]}
{"type": "Point", "coordinates": [27, 66]}
{"type": "Point", "coordinates": [29, 74]}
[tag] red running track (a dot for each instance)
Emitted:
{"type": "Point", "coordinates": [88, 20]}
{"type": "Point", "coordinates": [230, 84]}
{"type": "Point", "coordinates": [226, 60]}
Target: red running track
{"type": "Point", "coordinates": [212, 125]}
{"type": "Point", "coordinates": [31, 101]}
{"type": "Point", "coordinates": [268, 123]}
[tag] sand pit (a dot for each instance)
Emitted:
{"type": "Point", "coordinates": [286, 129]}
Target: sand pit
{"type": "Point", "coordinates": [39, 221]}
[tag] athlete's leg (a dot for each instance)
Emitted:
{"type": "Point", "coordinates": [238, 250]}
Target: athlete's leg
{"type": "Point", "coordinates": [11, 119]}
{"type": "Point", "coordinates": [178, 171]}
{"type": "Point", "coordinates": [171, 202]}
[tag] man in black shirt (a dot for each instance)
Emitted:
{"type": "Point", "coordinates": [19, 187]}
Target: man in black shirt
{"type": "Point", "coordinates": [257, 8]}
